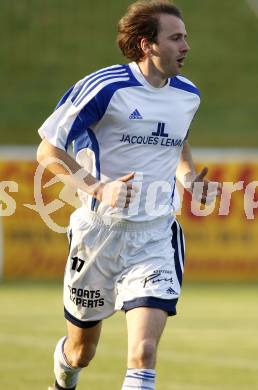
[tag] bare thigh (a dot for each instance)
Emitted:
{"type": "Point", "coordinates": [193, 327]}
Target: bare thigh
{"type": "Point", "coordinates": [145, 326]}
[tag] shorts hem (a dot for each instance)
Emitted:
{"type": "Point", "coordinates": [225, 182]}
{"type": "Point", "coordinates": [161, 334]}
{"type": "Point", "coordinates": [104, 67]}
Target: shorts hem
{"type": "Point", "coordinates": [81, 324]}
{"type": "Point", "coordinates": [168, 305]}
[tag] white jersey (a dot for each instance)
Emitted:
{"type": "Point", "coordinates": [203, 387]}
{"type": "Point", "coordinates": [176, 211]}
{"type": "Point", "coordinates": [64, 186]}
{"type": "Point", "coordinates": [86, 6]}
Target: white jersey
{"type": "Point", "coordinates": [119, 123]}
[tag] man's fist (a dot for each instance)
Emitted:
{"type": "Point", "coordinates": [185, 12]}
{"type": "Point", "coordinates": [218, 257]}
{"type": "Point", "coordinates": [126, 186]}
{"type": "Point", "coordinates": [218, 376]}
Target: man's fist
{"type": "Point", "coordinates": [203, 190]}
{"type": "Point", "coordinates": [117, 193]}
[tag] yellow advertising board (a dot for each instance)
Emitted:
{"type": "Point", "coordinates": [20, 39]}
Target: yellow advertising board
{"type": "Point", "coordinates": [30, 249]}
{"type": "Point", "coordinates": [224, 244]}
{"type": "Point", "coordinates": [221, 246]}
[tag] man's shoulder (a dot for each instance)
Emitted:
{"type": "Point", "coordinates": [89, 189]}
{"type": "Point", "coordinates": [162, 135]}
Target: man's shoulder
{"type": "Point", "coordinates": [185, 80]}
{"type": "Point", "coordinates": [105, 80]}
{"type": "Point", "coordinates": [111, 69]}
{"type": "Point", "coordinates": [183, 83]}
{"type": "Point", "coordinates": [108, 75]}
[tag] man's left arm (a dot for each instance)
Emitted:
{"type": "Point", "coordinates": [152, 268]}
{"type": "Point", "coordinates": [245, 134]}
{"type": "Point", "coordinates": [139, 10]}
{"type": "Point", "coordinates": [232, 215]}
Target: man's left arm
{"type": "Point", "coordinates": [206, 191]}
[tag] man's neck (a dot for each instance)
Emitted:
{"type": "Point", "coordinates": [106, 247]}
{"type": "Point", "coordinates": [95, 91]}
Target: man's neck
{"type": "Point", "coordinates": [152, 75]}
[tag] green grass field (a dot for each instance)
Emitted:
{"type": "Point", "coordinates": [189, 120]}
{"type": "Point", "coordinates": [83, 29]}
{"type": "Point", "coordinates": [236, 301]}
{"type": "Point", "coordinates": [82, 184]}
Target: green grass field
{"type": "Point", "coordinates": [48, 45]}
{"type": "Point", "coordinates": [211, 344]}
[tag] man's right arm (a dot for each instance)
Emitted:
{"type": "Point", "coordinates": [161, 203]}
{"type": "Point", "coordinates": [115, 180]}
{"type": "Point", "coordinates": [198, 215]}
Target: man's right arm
{"type": "Point", "coordinates": [116, 193]}
{"type": "Point", "coordinates": [61, 164]}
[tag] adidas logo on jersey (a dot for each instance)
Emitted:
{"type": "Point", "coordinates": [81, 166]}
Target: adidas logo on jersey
{"type": "Point", "coordinates": [135, 115]}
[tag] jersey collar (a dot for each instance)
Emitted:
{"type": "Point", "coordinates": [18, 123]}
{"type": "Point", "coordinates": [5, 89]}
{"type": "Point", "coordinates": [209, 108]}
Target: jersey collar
{"type": "Point", "coordinates": [139, 76]}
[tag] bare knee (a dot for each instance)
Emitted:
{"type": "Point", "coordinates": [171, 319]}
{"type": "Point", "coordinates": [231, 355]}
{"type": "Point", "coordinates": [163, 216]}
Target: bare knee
{"type": "Point", "coordinates": [79, 355]}
{"type": "Point", "coordinates": [143, 355]}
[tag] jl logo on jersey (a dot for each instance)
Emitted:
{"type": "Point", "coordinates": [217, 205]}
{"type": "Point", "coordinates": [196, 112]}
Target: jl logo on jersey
{"type": "Point", "coordinates": [160, 131]}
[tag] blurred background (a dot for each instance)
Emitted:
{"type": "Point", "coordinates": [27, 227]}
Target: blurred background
{"type": "Point", "coordinates": [46, 47]}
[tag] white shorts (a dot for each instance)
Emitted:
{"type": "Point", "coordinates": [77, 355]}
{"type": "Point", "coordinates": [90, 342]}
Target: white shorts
{"type": "Point", "coordinates": [120, 266]}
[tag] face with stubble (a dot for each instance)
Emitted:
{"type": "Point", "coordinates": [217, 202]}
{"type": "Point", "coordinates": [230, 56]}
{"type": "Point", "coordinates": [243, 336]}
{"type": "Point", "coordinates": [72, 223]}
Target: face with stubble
{"type": "Point", "coordinates": [171, 48]}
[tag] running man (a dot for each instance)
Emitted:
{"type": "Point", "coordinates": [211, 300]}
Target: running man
{"type": "Point", "coordinates": [129, 126]}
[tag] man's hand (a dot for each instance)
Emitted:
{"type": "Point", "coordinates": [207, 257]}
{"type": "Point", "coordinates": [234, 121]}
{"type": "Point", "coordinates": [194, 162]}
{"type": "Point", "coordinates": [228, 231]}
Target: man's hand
{"type": "Point", "coordinates": [117, 193]}
{"type": "Point", "coordinates": [203, 190]}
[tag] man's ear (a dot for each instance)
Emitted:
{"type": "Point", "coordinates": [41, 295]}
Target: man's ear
{"type": "Point", "coordinates": [146, 47]}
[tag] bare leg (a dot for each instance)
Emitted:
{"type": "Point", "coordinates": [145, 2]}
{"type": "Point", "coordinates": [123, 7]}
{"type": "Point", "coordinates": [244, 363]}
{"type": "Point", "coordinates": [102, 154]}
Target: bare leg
{"type": "Point", "coordinates": [145, 327]}
{"type": "Point", "coordinates": [80, 346]}
{"type": "Point", "coordinates": [73, 353]}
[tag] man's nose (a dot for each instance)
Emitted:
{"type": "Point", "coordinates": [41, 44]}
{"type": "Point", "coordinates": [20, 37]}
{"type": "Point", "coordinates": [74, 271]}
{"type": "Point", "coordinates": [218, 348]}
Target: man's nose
{"type": "Point", "coordinates": [185, 47]}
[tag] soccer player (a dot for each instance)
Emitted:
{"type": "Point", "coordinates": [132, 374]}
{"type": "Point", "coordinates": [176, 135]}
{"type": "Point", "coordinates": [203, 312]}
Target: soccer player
{"type": "Point", "coordinates": [128, 125]}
